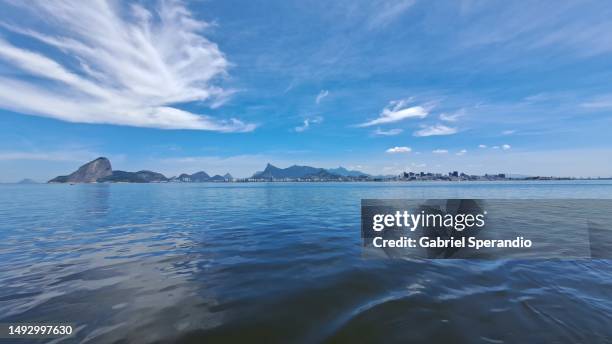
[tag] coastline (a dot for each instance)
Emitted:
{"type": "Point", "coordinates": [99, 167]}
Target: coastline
{"type": "Point", "coordinates": [483, 181]}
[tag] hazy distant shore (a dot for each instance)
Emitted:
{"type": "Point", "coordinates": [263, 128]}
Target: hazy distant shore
{"type": "Point", "coordinates": [100, 170]}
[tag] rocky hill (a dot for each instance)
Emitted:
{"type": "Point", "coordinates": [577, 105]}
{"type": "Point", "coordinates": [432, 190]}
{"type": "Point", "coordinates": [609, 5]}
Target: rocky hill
{"type": "Point", "coordinates": [100, 171]}
{"type": "Point", "coordinates": [134, 177]}
{"type": "Point", "coordinates": [88, 173]}
{"type": "Point", "coordinates": [294, 172]}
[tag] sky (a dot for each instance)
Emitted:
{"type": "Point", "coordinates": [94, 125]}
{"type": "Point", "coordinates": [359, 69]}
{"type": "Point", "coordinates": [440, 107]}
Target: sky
{"type": "Point", "coordinates": [378, 86]}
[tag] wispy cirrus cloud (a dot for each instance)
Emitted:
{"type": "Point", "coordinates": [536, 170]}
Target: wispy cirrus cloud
{"type": "Point", "coordinates": [321, 95]}
{"type": "Point", "coordinates": [307, 123]}
{"type": "Point", "coordinates": [387, 11]}
{"type": "Point", "coordinates": [452, 117]}
{"type": "Point", "coordinates": [390, 132]}
{"type": "Point", "coordinates": [102, 62]}
{"type": "Point", "coordinates": [576, 28]}
{"type": "Point", "coordinates": [435, 130]}
{"type": "Point", "coordinates": [599, 102]}
{"type": "Point", "coordinates": [396, 111]}
{"type": "Point", "coordinates": [440, 151]}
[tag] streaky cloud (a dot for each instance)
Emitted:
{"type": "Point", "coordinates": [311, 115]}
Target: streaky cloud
{"type": "Point", "coordinates": [133, 66]}
{"type": "Point", "coordinates": [307, 122]}
{"type": "Point", "coordinates": [388, 11]}
{"type": "Point", "coordinates": [452, 117]}
{"type": "Point", "coordinates": [390, 132]}
{"type": "Point", "coordinates": [321, 95]}
{"type": "Point", "coordinates": [435, 130]}
{"type": "Point", "coordinates": [396, 111]}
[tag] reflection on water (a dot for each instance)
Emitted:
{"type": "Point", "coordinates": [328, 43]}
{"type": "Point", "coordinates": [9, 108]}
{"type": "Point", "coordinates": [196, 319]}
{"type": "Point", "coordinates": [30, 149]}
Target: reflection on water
{"type": "Point", "coordinates": [95, 201]}
{"type": "Point", "coordinates": [278, 263]}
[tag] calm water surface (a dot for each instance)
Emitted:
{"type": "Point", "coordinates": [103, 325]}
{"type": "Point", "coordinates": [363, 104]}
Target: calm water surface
{"type": "Point", "coordinates": [278, 263]}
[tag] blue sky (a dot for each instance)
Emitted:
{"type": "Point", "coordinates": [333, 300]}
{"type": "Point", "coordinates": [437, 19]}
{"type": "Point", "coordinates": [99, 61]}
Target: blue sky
{"type": "Point", "coordinates": [379, 86]}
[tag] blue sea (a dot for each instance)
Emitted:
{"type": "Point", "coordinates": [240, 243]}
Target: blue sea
{"type": "Point", "coordinates": [278, 263]}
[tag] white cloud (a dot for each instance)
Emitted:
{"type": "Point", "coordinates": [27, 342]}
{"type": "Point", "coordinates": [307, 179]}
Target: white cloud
{"type": "Point", "coordinates": [303, 127]}
{"type": "Point", "coordinates": [508, 132]}
{"type": "Point", "coordinates": [461, 152]}
{"type": "Point", "coordinates": [307, 122]}
{"type": "Point", "coordinates": [399, 150]}
{"type": "Point", "coordinates": [390, 132]}
{"type": "Point", "coordinates": [440, 151]}
{"type": "Point", "coordinates": [482, 146]}
{"type": "Point", "coordinates": [321, 95]}
{"type": "Point", "coordinates": [396, 111]}
{"type": "Point", "coordinates": [506, 147]}
{"type": "Point", "coordinates": [131, 66]}
{"type": "Point", "coordinates": [435, 130]}
{"type": "Point", "coordinates": [452, 117]}
{"type": "Point", "coordinates": [448, 118]}
{"type": "Point", "coordinates": [495, 147]}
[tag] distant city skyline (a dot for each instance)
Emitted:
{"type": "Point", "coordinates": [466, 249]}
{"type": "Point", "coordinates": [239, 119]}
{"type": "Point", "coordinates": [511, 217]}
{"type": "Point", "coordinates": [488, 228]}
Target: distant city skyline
{"type": "Point", "coordinates": [380, 86]}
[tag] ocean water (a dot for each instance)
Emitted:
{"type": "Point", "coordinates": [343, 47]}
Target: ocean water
{"type": "Point", "coordinates": [278, 262]}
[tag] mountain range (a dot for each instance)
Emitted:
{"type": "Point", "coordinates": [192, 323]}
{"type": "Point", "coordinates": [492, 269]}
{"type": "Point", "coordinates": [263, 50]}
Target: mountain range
{"type": "Point", "coordinates": [100, 171]}
{"type": "Point", "coordinates": [201, 177]}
